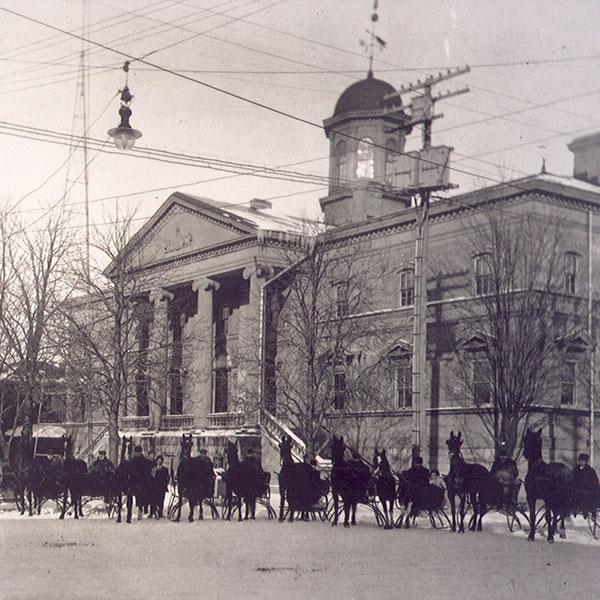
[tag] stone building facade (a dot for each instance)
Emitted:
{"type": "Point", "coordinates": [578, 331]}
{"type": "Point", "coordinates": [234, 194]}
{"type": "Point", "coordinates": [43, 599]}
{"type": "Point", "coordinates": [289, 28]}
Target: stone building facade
{"type": "Point", "coordinates": [211, 266]}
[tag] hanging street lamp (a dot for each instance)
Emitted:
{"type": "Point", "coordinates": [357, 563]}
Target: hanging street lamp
{"type": "Point", "coordinates": [124, 135]}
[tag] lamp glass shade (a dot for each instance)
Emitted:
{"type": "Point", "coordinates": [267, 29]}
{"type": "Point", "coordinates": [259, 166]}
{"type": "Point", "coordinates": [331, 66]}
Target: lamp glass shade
{"type": "Point", "coordinates": [124, 137]}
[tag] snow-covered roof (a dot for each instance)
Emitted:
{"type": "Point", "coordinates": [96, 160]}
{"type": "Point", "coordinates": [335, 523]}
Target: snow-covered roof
{"type": "Point", "coordinates": [265, 219]}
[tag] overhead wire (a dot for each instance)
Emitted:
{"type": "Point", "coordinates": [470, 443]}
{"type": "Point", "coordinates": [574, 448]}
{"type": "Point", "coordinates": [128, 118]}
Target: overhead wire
{"type": "Point", "coordinates": [222, 91]}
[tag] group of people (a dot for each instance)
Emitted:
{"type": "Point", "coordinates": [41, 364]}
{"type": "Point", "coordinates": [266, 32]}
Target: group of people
{"type": "Point", "coordinates": [148, 478]}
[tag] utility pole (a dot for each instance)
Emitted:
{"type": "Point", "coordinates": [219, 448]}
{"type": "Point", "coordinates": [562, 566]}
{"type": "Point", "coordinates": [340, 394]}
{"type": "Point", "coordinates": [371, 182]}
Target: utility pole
{"type": "Point", "coordinates": [427, 171]}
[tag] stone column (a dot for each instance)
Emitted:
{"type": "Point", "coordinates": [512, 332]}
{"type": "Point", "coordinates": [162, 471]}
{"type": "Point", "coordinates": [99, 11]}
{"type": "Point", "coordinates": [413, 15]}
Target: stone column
{"type": "Point", "coordinates": [251, 341]}
{"type": "Point", "coordinates": [200, 402]}
{"type": "Point", "coordinates": [158, 353]}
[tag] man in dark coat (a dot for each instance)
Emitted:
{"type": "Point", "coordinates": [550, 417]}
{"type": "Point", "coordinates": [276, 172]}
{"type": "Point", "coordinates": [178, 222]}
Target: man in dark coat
{"type": "Point", "coordinates": [418, 474]}
{"type": "Point", "coordinates": [141, 479]}
{"type": "Point", "coordinates": [160, 484]}
{"type": "Point", "coordinates": [100, 474]}
{"type": "Point", "coordinates": [586, 488]}
{"type": "Point", "coordinates": [505, 472]}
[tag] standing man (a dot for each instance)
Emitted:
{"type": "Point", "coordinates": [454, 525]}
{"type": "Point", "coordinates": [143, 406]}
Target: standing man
{"type": "Point", "coordinates": [161, 478]}
{"type": "Point", "coordinates": [141, 479]}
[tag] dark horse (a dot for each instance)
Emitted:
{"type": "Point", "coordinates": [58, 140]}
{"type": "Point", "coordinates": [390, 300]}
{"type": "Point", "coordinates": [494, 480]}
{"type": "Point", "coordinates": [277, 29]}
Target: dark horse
{"type": "Point", "coordinates": [299, 484]}
{"type": "Point", "coordinates": [73, 477]}
{"type": "Point", "coordinates": [466, 481]}
{"type": "Point", "coordinates": [36, 479]}
{"type": "Point", "coordinates": [244, 480]}
{"type": "Point", "coordinates": [550, 482]}
{"type": "Point", "coordinates": [385, 486]}
{"type": "Point", "coordinates": [349, 480]}
{"type": "Point", "coordinates": [195, 479]}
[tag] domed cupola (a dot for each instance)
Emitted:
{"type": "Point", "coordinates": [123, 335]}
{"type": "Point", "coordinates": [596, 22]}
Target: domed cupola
{"type": "Point", "coordinates": [366, 132]}
{"type": "Point", "coordinates": [367, 94]}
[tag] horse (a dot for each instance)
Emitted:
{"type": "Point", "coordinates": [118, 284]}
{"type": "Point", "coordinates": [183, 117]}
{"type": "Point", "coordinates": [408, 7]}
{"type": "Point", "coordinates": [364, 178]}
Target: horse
{"type": "Point", "coordinates": [385, 486]}
{"type": "Point", "coordinates": [349, 480]}
{"type": "Point", "coordinates": [550, 482]}
{"type": "Point", "coordinates": [246, 480]}
{"type": "Point", "coordinates": [37, 478]}
{"type": "Point", "coordinates": [464, 480]}
{"type": "Point", "coordinates": [73, 477]}
{"type": "Point", "coordinates": [299, 484]}
{"type": "Point", "coordinates": [195, 479]}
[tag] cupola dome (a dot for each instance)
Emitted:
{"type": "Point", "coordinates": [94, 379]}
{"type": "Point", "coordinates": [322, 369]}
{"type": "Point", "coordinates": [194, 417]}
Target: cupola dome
{"type": "Point", "coordinates": [367, 94]}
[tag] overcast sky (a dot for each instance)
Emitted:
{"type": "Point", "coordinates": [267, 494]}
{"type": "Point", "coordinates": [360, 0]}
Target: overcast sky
{"type": "Point", "coordinates": [533, 81]}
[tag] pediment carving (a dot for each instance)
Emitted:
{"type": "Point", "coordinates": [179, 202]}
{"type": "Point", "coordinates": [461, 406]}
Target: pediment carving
{"type": "Point", "coordinates": [179, 232]}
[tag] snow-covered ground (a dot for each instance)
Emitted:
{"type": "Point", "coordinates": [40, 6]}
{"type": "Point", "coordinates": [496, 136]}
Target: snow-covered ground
{"type": "Point", "coordinates": [95, 558]}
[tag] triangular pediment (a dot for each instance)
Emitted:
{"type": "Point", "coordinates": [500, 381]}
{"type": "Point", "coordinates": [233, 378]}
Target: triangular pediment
{"type": "Point", "coordinates": [184, 225]}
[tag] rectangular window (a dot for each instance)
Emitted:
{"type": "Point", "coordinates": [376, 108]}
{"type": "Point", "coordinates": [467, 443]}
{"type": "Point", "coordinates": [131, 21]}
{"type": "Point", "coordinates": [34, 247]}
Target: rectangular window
{"type": "Point", "coordinates": [407, 288]}
{"type": "Point", "coordinates": [223, 320]}
{"type": "Point", "coordinates": [570, 272]}
{"type": "Point", "coordinates": [483, 275]}
{"type": "Point", "coordinates": [567, 384]}
{"type": "Point", "coordinates": [341, 299]}
{"type": "Point", "coordinates": [482, 393]}
{"type": "Point", "coordinates": [221, 389]}
{"type": "Point", "coordinates": [403, 384]}
{"type": "Point", "coordinates": [339, 390]}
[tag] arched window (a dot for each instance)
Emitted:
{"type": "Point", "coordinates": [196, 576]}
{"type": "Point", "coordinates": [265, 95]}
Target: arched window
{"type": "Point", "coordinates": [391, 152]}
{"type": "Point", "coordinates": [340, 169]}
{"type": "Point", "coordinates": [407, 287]}
{"type": "Point", "coordinates": [365, 161]}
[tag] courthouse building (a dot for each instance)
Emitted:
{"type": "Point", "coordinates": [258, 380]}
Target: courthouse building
{"type": "Point", "coordinates": [209, 263]}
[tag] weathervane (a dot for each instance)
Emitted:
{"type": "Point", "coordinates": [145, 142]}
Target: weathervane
{"type": "Point", "coordinates": [373, 38]}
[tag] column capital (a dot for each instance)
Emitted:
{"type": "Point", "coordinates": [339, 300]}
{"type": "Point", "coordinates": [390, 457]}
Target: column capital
{"type": "Point", "coordinates": [260, 271]}
{"type": "Point", "coordinates": [158, 294]}
{"type": "Point", "coordinates": [205, 284]}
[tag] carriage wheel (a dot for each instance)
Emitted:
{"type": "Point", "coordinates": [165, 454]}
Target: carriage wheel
{"type": "Point", "coordinates": [264, 501]}
{"type": "Point", "coordinates": [439, 519]}
{"type": "Point", "coordinates": [512, 520]}
{"type": "Point", "coordinates": [214, 511]}
{"type": "Point", "coordinates": [594, 526]}
{"type": "Point", "coordinates": [172, 508]}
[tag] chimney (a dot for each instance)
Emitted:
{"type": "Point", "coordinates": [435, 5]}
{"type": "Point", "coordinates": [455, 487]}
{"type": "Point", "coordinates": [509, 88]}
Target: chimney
{"type": "Point", "coordinates": [586, 151]}
{"type": "Point", "coordinates": [259, 204]}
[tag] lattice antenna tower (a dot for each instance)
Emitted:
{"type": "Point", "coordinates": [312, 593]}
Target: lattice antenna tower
{"type": "Point", "coordinates": [77, 176]}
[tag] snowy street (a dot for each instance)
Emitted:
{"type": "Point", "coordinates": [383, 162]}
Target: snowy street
{"type": "Point", "coordinates": [43, 557]}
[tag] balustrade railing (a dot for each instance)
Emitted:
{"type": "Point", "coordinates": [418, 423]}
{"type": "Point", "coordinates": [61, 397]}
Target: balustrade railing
{"type": "Point", "coordinates": [226, 420]}
{"type": "Point", "coordinates": [174, 422]}
{"type": "Point", "coordinates": [134, 423]}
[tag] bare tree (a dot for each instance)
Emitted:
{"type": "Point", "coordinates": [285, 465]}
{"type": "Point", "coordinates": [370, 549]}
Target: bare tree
{"type": "Point", "coordinates": [34, 284]}
{"type": "Point", "coordinates": [118, 352]}
{"type": "Point", "coordinates": [320, 339]}
{"type": "Point", "coordinates": [509, 358]}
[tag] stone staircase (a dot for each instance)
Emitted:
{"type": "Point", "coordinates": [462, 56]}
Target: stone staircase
{"type": "Point", "coordinates": [274, 430]}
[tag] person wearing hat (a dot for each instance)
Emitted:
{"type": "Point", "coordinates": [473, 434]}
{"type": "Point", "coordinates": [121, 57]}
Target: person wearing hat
{"type": "Point", "coordinates": [586, 489]}
{"type": "Point", "coordinates": [505, 472]}
{"type": "Point", "coordinates": [140, 477]}
{"type": "Point", "coordinates": [160, 482]}
{"type": "Point", "coordinates": [102, 464]}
